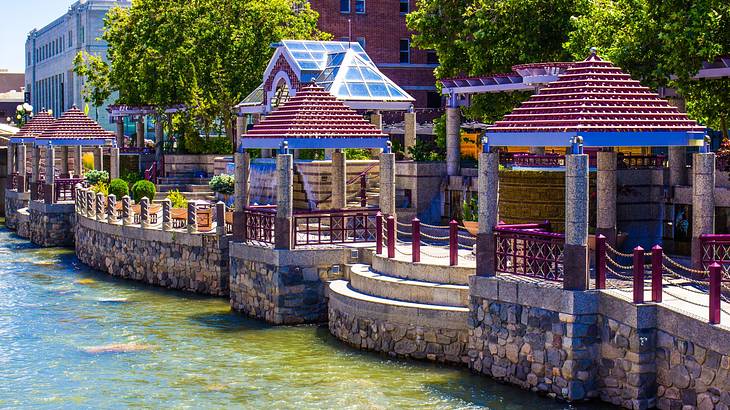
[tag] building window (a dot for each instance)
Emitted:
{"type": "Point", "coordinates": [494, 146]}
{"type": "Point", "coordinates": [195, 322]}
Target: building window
{"type": "Point", "coordinates": [405, 51]}
{"type": "Point", "coordinates": [70, 38]}
{"type": "Point", "coordinates": [27, 60]}
{"type": "Point", "coordinates": [360, 6]}
{"type": "Point", "coordinates": [433, 100]}
{"type": "Point", "coordinates": [344, 6]}
{"type": "Point", "coordinates": [404, 7]}
{"type": "Point", "coordinates": [361, 41]}
{"type": "Point", "coordinates": [81, 35]}
{"type": "Point", "coordinates": [431, 57]}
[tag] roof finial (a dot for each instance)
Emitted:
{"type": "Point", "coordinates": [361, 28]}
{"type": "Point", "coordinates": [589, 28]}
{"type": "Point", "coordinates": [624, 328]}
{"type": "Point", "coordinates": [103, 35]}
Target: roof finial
{"type": "Point", "coordinates": [594, 51]}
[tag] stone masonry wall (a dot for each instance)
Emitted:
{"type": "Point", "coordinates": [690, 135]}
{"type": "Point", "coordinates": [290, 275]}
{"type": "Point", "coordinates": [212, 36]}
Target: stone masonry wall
{"type": "Point", "coordinates": [176, 260]}
{"type": "Point", "coordinates": [280, 286]}
{"type": "Point", "coordinates": [51, 225]}
{"type": "Point", "coordinates": [13, 202]}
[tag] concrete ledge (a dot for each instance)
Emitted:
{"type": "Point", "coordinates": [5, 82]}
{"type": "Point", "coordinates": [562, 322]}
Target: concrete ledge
{"type": "Point", "coordinates": [13, 194]}
{"type": "Point", "coordinates": [295, 257]}
{"type": "Point", "coordinates": [455, 275]}
{"type": "Point", "coordinates": [62, 208]}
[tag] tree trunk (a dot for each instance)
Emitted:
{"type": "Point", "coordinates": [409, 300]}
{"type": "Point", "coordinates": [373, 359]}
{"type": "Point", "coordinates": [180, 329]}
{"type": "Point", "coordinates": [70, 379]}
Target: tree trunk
{"type": "Point", "coordinates": [723, 127]}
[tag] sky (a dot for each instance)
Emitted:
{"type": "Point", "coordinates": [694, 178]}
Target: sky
{"type": "Point", "coordinates": [19, 18]}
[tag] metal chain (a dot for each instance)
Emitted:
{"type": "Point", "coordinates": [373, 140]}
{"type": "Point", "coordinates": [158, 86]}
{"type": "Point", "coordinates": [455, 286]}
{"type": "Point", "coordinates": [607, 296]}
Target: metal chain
{"type": "Point", "coordinates": [625, 267]}
{"type": "Point", "coordinates": [677, 275]}
{"type": "Point", "coordinates": [619, 275]}
{"type": "Point", "coordinates": [690, 270]}
{"type": "Point", "coordinates": [625, 255]}
{"type": "Point", "coordinates": [468, 238]}
{"type": "Point", "coordinates": [434, 226]}
{"type": "Point", "coordinates": [403, 233]}
{"type": "Point", "coordinates": [436, 238]}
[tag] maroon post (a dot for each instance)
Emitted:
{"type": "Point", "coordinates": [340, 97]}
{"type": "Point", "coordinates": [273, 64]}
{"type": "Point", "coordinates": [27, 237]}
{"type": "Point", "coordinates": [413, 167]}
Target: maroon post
{"type": "Point", "coordinates": [638, 274]}
{"type": "Point", "coordinates": [378, 233]}
{"type": "Point", "coordinates": [363, 190]}
{"type": "Point", "coordinates": [656, 274]}
{"type": "Point", "coordinates": [600, 262]}
{"type": "Point", "coordinates": [453, 243]}
{"type": "Point", "coordinates": [416, 239]}
{"type": "Point", "coordinates": [715, 282]}
{"type": "Point", "coordinates": [391, 236]}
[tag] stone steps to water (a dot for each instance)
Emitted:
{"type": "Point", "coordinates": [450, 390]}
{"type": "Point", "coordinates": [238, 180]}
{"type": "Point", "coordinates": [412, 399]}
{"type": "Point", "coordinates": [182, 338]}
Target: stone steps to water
{"type": "Point", "coordinates": [367, 281]}
{"type": "Point", "coordinates": [453, 275]}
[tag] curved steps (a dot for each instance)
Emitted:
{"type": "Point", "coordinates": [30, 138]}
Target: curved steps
{"type": "Point", "coordinates": [367, 281]}
{"type": "Point", "coordinates": [454, 275]}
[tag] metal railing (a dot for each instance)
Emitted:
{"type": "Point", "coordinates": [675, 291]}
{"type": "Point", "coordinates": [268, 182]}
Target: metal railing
{"type": "Point", "coordinates": [65, 189]}
{"type": "Point", "coordinates": [529, 250]}
{"type": "Point", "coordinates": [332, 226]}
{"type": "Point", "coordinates": [259, 224]}
{"type": "Point", "coordinates": [641, 161]}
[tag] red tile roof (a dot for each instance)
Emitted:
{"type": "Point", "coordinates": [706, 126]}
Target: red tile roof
{"type": "Point", "coordinates": [76, 125]}
{"type": "Point", "coordinates": [595, 96]}
{"type": "Point", "coordinates": [39, 123]}
{"type": "Point", "coordinates": [314, 113]}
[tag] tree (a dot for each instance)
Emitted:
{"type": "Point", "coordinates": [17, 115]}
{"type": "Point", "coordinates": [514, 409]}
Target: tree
{"type": "Point", "coordinates": [95, 74]}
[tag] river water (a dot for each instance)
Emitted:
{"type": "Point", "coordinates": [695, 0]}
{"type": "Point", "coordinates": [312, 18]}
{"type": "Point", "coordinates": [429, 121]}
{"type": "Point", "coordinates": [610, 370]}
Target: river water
{"type": "Point", "coordinates": [71, 337]}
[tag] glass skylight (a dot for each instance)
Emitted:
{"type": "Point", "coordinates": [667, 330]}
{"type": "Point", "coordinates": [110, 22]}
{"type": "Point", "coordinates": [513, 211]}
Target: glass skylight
{"type": "Point", "coordinates": [312, 55]}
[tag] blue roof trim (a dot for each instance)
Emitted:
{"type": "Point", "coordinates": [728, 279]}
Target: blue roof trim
{"type": "Point", "coordinates": [596, 139]}
{"type": "Point", "coordinates": [67, 142]}
{"type": "Point", "coordinates": [314, 143]}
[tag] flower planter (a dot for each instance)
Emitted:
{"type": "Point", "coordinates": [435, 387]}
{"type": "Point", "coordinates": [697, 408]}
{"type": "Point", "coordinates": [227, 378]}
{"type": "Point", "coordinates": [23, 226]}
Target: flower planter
{"type": "Point", "coordinates": [472, 227]}
{"type": "Point", "coordinates": [620, 239]}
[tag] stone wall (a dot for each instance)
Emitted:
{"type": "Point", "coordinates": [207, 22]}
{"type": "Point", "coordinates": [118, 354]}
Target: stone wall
{"type": "Point", "coordinates": [51, 225]}
{"type": "Point", "coordinates": [284, 286]}
{"type": "Point", "coordinates": [23, 223]}
{"type": "Point", "coordinates": [176, 260]}
{"type": "Point", "coordinates": [13, 202]}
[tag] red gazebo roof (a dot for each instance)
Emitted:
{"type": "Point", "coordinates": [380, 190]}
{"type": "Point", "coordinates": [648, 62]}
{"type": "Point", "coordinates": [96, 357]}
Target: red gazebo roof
{"type": "Point", "coordinates": [39, 123]}
{"type": "Point", "coordinates": [75, 128]}
{"type": "Point", "coordinates": [595, 96]}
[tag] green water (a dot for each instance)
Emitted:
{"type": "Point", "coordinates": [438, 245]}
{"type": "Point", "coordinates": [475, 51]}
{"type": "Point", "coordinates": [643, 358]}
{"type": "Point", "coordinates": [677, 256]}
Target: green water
{"type": "Point", "coordinates": [198, 354]}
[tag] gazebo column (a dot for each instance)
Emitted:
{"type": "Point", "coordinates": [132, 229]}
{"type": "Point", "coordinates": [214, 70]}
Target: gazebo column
{"type": "Point", "coordinates": [488, 185]}
{"type": "Point", "coordinates": [11, 159]}
{"type": "Point", "coordinates": [99, 158]}
{"type": "Point", "coordinates": [159, 137]}
{"type": "Point", "coordinates": [703, 201]}
{"type": "Point", "coordinates": [120, 131]}
{"type": "Point", "coordinates": [284, 201]}
{"type": "Point", "coordinates": [240, 130]}
{"type": "Point", "coordinates": [575, 256]}
{"type": "Point", "coordinates": [48, 188]}
{"type": "Point", "coordinates": [140, 125]}
{"type": "Point", "coordinates": [78, 161]}
{"type": "Point", "coordinates": [409, 132]}
{"type": "Point", "coordinates": [376, 118]}
{"type": "Point", "coordinates": [114, 162]}
{"type": "Point", "coordinates": [453, 140]}
{"type": "Point", "coordinates": [606, 196]}
{"type": "Point", "coordinates": [537, 150]}
{"type": "Point", "coordinates": [21, 155]}
{"type": "Point", "coordinates": [387, 183]}
{"type": "Point", "coordinates": [35, 170]}
{"type": "Point", "coordinates": [242, 161]}
{"type": "Point", "coordinates": [677, 166]}
{"type": "Point", "coordinates": [64, 162]}
{"type": "Point", "coordinates": [339, 180]}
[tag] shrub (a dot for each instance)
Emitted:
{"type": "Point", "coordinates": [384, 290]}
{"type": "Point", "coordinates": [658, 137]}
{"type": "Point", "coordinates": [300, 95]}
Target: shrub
{"type": "Point", "coordinates": [223, 184]}
{"type": "Point", "coordinates": [132, 177]}
{"type": "Point", "coordinates": [470, 209]}
{"type": "Point", "coordinates": [100, 187]}
{"type": "Point", "coordinates": [177, 199]}
{"type": "Point", "coordinates": [87, 160]}
{"type": "Point", "coordinates": [119, 188]}
{"type": "Point", "coordinates": [93, 177]}
{"type": "Point", "coordinates": [143, 189]}
{"type": "Point", "coordinates": [357, 153]}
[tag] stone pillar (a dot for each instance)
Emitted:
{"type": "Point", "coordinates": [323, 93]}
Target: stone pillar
{"type": "Point", "coordinates": [453, 141]}
{"type": "Point", "coordinates": [409, 132]}
{"type": "Point", "coordinates": [127, 210]}
{"type": "Point", "coordinates": [22, 161]}
{"type": "Point", "coordinates": [35, 168]}
{"type": "Point", "coordinates": [48, 193]}
{"type": "Point", "coordinates": [166, 214]}
{"type": "Point", "coordinates": [144, 212]}
{"type": "Point", "coordinates": [140, 125]}
{"type": "Point", "coordinates": [488, 185]}
{"type": "Point", "coordinates": [100, 207]}
{"type": "Point", "coordinates": [120, 131]}
{"type": "Point", "coordinates": [99, 158]}
{"type": "Point", "coordinates": [387, 184]}
{"type": "Point", "coordinates": [576, 222]}
{"type": "Point", "coordinates": [80, 200]}
{"type": "Point", "coordinates": [78, 161]}
{"type": "Point", "coordinates": [677, 166]}
{"type": "Point", "coordinates": [111, 209]}
{"type": "Point", "coordinates": [376, 118]}
{"type": "Point", "coordinates": [114, 163]}
{"type": "Point", "coordinates": [90, 204]}
{"type": "Point", "coordinates": [240, 130]}
{"type": "Point", "coordinates": [11, 159]}
{"type": "Point", "coordinates": [606, 196]}
{"type": "Point", "coordinates": [64, 162]}
{"type": "Point", "coordinates": [220, 218]}
{"type": "Point", "coordinates": [703, 201]}
{"type": "Point", "coordinates": [537, 150]}
{"type": "Point", "coordinates": [327, 154]}
{"type": "Point", "coordinates": [159, 137]}
{"type": "Point", "coordinates": [284, 201]}
{"type": "Point", "coordinates": [192, 217]}
{"type": "Point", "coordinates": [339, 180]}
{"type": "Point", "coordinates": [242, 161]}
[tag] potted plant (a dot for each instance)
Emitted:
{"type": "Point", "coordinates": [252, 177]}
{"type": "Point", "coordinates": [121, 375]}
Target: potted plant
{"type": "Point", "coordinates": [470, 214]}
{"type": "Point", "coordinates": [223, 185]}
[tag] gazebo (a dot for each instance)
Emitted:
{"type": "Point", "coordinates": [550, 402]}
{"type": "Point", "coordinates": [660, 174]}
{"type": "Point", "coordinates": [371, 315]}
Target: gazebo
{"type": "Point", "coordinates": [592, 103]}
{"type": "Point", "coordinates": [312, 119]}
{"type": "Point", "coordinates": [17, 149]}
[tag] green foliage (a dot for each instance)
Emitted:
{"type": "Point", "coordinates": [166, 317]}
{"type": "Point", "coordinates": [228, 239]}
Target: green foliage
{"type": "Point", "coordinates": [470, 208]}
{"type": "Point", "coordinates": [100, 187]}
{"type": "Point", "coordinates": [95, 73]}
{"type": "Point", "coordinates": [177, 199]}
{"type": "Point", "coordinates": [424, 151]}
{"type": "Point", "coordinates": [223, 184]}
{"type": "Point", "coordinates": [357, 153]}
{"type": "Point", "coordinates": [195, 144]}
{"type": "Point", "coordinates": [93, 176]}
{"type": "Point", "coordinates": [143, 188]}
{"type": "Point", "coordinates": [131, 177]}
{"type": "Point", "coordinates": [311, 154]}
{"type": "Point", "coordinates": [118, 187]}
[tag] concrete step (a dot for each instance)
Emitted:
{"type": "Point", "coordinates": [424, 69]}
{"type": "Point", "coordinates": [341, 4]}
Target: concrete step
{"type": "Point", "coordinates": [422, 271]}
{"type": "Point", "coordinates": [183, 187]}
{"type": "Point", "coordinates": [190, 196]}
{"type": "Point", "coordinates": [365, 280]}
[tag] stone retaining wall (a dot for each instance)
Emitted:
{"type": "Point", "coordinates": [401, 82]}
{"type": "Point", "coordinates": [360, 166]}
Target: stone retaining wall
{"type": "Point", "coordinates": [51, 225]}
{"type": "Point", "coordinates": [176, 260]}
{"type": "Point", "coordinates": [13, 202]}
{"type": "Point", "coordinates": [282, 286]}
{"type": "Point", "coordinates": [23, 223]}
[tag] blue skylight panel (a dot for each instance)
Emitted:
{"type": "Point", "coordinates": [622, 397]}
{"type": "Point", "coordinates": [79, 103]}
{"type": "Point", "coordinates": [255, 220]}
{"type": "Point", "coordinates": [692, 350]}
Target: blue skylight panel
{"type": "Point", "coordinates": [353, 74]}
{"type": "Point", "coordinates": [308, 65]}
{"type": "Point", "coordinates": [314, 46]}
{"type": "Point", "coordinates": [378, 90]}
{"type": "Point", "coordinates": [358, 90]}
{"type": "Point", "coordinates": [295, 45]}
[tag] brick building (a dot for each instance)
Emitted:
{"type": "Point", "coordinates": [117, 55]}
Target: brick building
{"type": "Point", "coordinates": [380, 27]}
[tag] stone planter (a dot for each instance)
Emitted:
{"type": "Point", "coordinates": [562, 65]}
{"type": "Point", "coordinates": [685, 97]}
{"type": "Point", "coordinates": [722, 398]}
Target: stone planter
{"type": "Point", "coordinates": [620, 239]}
{"type": "Point", "coordinates": [472, 227]}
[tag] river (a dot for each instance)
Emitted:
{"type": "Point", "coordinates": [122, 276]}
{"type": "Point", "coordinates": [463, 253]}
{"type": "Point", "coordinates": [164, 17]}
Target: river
{"type": "Point", "coordinates": [71, 337]}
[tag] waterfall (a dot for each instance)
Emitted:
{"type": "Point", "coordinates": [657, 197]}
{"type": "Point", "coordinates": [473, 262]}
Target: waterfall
{"type": "Point", "coordinates": [307, 185]}
{"type": "Point", "coordinates": [263, 182]}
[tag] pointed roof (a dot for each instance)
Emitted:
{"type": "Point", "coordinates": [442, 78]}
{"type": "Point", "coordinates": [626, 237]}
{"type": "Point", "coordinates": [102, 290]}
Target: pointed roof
{"type": "Point", "coordinates": [314, 118]}
{"type": "Point", "coordinates": [39, 123]}
{"type": "Point", "coordinates": [74, 128]}
{"type": "Point", "coordinates": [598, 101]}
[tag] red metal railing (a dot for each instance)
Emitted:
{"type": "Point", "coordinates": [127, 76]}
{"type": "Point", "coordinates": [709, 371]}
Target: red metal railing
{"type": "Point", "coordinates": [362, 177]}
{"type": "Point", "coordinates": [65, 189]}
{"type": "Point", "coordinates": [529, 252]}
{"type": "Point", "coordinates": [532, 160]}
{"type": "Point", "coordinates": [334, 226]}
{"type": "Point", "coordinates": [13, 181]}
{"type": "Point", "coordinates": [715, 248]}
{"type": "Point", "coordinates": [37, 192]}
{"type": "Point", "coordinates": [641, 161]}
{"type": "Point", "coordinates": [135, 150]}
{"type": "Point", "coordinates": [151, 173]}
{"type": "Point", "coordinates": [259, 224]}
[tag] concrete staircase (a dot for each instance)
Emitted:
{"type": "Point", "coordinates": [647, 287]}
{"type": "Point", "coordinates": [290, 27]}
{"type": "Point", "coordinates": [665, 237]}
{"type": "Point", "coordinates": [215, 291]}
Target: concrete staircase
{"type": "Point", "coordinates": [192, 187]}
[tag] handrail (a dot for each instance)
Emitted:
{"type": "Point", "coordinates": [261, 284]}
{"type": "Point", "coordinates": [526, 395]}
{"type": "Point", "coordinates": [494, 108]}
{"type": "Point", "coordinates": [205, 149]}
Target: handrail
{"type": "Point", "coordinates": [317, 212]}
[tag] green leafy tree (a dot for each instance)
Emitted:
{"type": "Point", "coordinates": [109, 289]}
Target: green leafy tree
{"type": "Point", "coordinates": [95, 74]}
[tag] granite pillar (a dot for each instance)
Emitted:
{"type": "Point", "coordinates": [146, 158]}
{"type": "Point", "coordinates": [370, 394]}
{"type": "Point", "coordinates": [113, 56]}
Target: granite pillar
{"type": "Point", "coordinates": [576, 222]}
{"type": "Point", "coordinates": [376, 118]}
{"type": "Point", "coordinates": [114, 162]}
{"type": "Point", "coordinates": [387, 184]}
{"type": "Point", "coordinates": [140, 125]}
{"type": "Point", "coordinates": [284, 201]}
{"type": "Point", "coordinates": [11, 158]}
{"type": "Point", "coordinates": [409, 132]}
{"type": "Point", "coordinates": [703, 201]}
{"type": "Point", "coordinates": [120, 131]}
{"type": "Point", "coordinates": [677, 166]}
{"type": "Point", "coordinates": [339, 180]}
{"type": "Point", "coordinates": [48, 193]}
{"type": "Point", "coordinates": [65, 169]}
{"type": "Point", "coordinates": [242, 161]}
{"type": "Point", "coordinates": [606, 196]}
{"type": "Point", "coordinates": [453, 141]}
{"type": "Point", "coordinates": [99, 158]}
{"type": "Point", "coordinates": [537, 150]}
{"type": "Point", "coordinates": [35, 168]}
{"type": "Point", "coordinates": [22, 160]}
{"type": "Point", "coordinates": [488, 185]}
{"type": "Point", "coordinates": [78, 161]}
{"type": "Point", "coordinates": [159, 138]}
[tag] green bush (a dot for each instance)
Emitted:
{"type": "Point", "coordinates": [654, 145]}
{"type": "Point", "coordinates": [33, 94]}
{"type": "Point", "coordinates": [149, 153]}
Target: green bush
{"type": "Point", "coordinates": [177, 199]}
{"type": "Point", "coordinates": [93, 177]}
{"type": "Point", "coordinates": [223, 184]}
{"type": "Point", "coordinates": [119, 188]}
{"type": "Point", "coordinates": [100, 187]}
{"type": "Point", "coordinates": [192, 143]}
{"type": "Point", "coordinates": [143, 189]}
{"type": "Point", "coordinates": [357, 153]}
{"type": "Point", "coordinates": [132, 177]}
